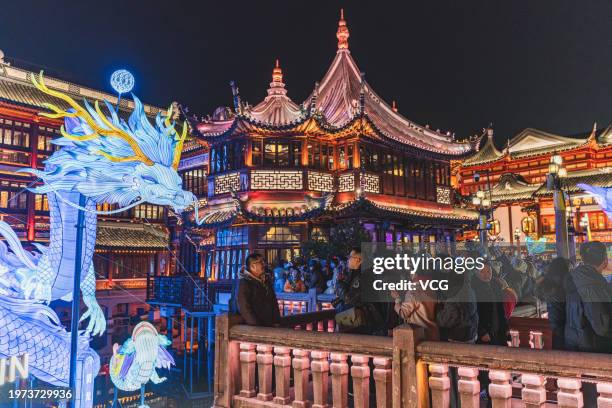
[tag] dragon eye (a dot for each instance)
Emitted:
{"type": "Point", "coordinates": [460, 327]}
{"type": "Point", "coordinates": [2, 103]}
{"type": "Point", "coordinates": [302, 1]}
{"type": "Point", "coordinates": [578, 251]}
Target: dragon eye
{"type": "Point", "coordinates": [149, 179]}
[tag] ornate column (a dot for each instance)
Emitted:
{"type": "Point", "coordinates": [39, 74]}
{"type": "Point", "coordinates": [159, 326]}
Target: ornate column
{"type": "Point", "coordinates": [360, 372]}
{"type": "Point", "coordinates": [534, 393]}
{"type": "Point", "coordinates": [301, 365]}
{"type": "Point", "coordinates": [264, 371]}
{"type": "Point", "coordinates": [469, 387]}
{"type": "Point", "coordinates": [282, 370]}
{"type": "Point", "coordinates": [382, 379]}
{"type": "Point", "coordinates": [605, 395]}
{"type": "Point", "coordinates": [569, 394]}
{"type": "Point", "coordinates": [500, 389]}
{"type": "Point", "coordinates": [339, 373]}
{"type": "Point", "coordinates": [247, 368]}
{"type": "Point", "coordinates": [320, 377]}
{"type": "Point", "coordinates": [439, 384]}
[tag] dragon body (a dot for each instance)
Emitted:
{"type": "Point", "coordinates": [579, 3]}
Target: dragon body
{"type": "Point", "coordinates": [102, 159]}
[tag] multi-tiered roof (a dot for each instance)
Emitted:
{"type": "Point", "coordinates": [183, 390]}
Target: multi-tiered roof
{"type": "Point", "coordinates": [342, 102]}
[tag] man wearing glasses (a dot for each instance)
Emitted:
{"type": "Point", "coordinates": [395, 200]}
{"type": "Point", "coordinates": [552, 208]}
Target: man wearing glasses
{"type": "Point", "coordinates": [257, 302]}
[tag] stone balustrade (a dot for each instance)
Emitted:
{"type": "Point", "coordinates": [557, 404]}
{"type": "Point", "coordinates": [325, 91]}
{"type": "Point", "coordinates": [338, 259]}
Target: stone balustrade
{"type": "Point", "coordinates": [284, 367]}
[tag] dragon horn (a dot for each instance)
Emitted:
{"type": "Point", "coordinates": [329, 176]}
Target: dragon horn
{"type": "Point", "coordinates": [80, 112]}
{"type": "Point", "coordinates": [179, 147]}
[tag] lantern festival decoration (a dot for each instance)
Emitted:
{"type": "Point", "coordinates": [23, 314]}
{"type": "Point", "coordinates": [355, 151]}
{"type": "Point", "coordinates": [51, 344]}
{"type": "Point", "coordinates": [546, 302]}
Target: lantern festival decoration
{"type": "Point", "coordinates": [102, 159]}
{"type": "Point", "coordinates": [134, 363]}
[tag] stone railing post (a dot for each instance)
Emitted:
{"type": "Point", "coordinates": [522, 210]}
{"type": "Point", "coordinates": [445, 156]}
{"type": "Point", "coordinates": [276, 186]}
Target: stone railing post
{"type": "Point", "coordinates": [605, 395]}
{"type": "Point", "coordinates": [469, 387]}
{"type": "Point", "coordinates": [439, 384]}
{"type": "Point", "coordinates": [282, 370]}
{"type": "Point", "coordinates": [339, 373]}
{"type": "Point", "coordinates": [320, 377]}
{"type": "Point", "coordinates": [500, 389]}
{"type": "Point", "coordinates": [569, 394]}
{"type": "Point", "coordinates": [264, 371]}
{"type": "Point", "coordinates": [360, 373]}
{"type": "Point", "coordinates": [227, 363]}
{"type": "Point", "coordinates": [534, 393]}
{"type": "Point", "coordinates": [247, 368]}
{"type": "Point", "coordinates": [409, 376]}
{"type": "Point", "coordinates": [301, 365]}
{"type": "Point", "coordinates": [382, 379]}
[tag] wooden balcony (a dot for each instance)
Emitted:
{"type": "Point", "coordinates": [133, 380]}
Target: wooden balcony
{"type": "Point", "coordinates": [313, 368]}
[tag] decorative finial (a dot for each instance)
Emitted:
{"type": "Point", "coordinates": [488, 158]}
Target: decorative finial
{"type": "Point", "coordinates": [313, 100]}
{"type": "Point", "coordinates": [236, 95]}
{"type": "Point", "coordinates": [277, 73]}
{"type": "Point", "coordinates": [277, 87]}
{"type": "Point", "coordinates": [490, 130]}
{"type": "Point", "coordinates": [592, 136]}
{"type": "Point", "coordinates": [394, 107]}
{"type": "Point", "coordinates": [343, 33]}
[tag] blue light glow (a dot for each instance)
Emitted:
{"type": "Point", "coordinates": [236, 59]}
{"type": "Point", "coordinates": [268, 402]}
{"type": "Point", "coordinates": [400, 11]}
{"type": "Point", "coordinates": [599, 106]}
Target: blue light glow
{"type": "Point", "coordinates": [122, 81]}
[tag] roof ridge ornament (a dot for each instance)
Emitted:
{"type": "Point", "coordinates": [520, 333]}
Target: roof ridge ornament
{"type": "Point", "coordinates": [490, 130]}
{"type": "Point", "coordinates": [343, 32]}
{"type": "Point", "coordinates": [313, 100]}
{"type": "Point", "coordinates": [236, 96]}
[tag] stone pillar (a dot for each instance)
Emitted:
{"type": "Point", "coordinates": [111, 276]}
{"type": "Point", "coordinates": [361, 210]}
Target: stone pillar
{"type": "Point", "coordinates": [500, 389]}
{"type": "Point", "coordinates": [282, 370]}
{"type": "Point", "coordinates": [339, 372]}
{"type": "Point", "coordinates": [569, 394]}
{"type": "Point", "coordinates": [264, 371]}
{"type": "Point", "coordinates": [439, 384]}
{"type": "Point", "coordinates": [301, 365]}
{"type": "Point", "coordinates": [605, 395]}
{"type": "Point", "coordinates": [247, 368]}
{"type": "Point", "coordinates": [382, 378]}
{"type": "Point", "coordinates": [360, 372]}
{"type": "Point", "coordinates": [469, 387]}
{"type": "Point", "coordinates": [534, 393]}
{"type": "Point", "coordinates": [320, 378]}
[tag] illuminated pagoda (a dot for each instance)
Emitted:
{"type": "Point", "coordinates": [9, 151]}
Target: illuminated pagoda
{"type": "Point", "coordinates": [515, 177]}
{"type": "Point", "coordinates": [282, 173]}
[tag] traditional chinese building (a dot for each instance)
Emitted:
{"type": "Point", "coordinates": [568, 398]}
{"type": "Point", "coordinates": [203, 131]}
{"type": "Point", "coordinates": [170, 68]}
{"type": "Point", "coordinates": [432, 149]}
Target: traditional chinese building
{"type": "Point", "coordinates": [282, 173]}
{"type": "Point", "coordinates": [515, 179]}
{"type": "Point", "coordinates": [130, 245]}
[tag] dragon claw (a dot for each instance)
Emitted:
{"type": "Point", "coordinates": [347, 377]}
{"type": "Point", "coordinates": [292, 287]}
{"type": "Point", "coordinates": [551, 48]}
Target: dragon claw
{"type": "Point", "coordinates": [97, 320]}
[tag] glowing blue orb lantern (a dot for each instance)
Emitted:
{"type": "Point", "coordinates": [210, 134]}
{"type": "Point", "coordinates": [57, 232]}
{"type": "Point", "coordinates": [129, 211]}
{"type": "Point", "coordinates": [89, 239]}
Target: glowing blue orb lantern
{"type": "Point", "coordinates": [122, 81]}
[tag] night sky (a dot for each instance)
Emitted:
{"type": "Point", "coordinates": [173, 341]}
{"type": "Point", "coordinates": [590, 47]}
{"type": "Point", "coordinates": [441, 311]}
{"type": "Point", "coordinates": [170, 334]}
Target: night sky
{"type": "Point", "coordinates": [455, 65]}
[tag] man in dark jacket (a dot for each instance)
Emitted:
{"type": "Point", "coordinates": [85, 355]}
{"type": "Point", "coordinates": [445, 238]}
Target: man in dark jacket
{"type": "Point", "coordinates": [589, 303]}
{"type": "Point", "coordinates": [354, 315]}
{"type": "Point", "coordinates": [257, 302]}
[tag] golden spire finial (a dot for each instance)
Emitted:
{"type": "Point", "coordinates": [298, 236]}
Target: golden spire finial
{"type": "Point", "coordinates": [343, 33]}
{"type": "Point", "coordinates": [277, 73]}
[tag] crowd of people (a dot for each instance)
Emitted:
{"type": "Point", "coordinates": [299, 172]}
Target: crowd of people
{"type": "Point", "coordinates": [476, 308]}
{"type": "Point", "coordinates": [299, 276]}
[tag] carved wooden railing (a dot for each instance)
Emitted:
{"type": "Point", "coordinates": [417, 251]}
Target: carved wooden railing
{"type": "Point", "coordinates": [528, 369]}
{"type": "Point", "coordinates": [313, 368]}
{"type": "Point", "coordinates": [292, 303]}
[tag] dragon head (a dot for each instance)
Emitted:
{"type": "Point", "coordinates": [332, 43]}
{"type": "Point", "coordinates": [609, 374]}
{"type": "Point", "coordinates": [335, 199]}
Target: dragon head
{"type": "Point", "coordinates": [112, 161]}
